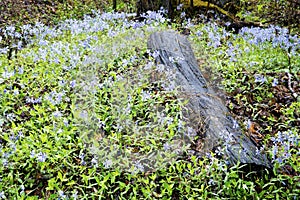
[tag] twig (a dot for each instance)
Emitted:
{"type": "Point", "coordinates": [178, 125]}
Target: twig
{"type": "Point", "coordinates": [295, 95]}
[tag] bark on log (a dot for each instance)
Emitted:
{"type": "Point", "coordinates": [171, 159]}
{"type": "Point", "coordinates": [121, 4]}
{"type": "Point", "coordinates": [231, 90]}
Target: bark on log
{"type": "Point", "coordinates": [203, 101]}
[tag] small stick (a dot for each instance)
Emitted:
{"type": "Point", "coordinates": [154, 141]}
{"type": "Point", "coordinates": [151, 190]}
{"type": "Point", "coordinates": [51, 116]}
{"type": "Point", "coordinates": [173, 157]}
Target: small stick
{"type": "Point", "coordinates": [295, 95]}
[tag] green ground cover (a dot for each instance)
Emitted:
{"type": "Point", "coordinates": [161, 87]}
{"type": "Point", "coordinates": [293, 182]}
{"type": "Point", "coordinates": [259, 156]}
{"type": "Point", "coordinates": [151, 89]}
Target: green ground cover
{"type": "Point", "coordinates": [84, 108]}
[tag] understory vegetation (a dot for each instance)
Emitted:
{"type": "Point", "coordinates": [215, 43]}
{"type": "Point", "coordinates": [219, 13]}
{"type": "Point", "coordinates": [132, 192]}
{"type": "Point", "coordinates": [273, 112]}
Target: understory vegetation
{"type": "Point", "coordinates": [86, 113]}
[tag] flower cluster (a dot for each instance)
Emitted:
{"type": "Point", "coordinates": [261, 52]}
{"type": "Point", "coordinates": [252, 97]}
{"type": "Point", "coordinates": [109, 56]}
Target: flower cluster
{"type": "Point", "coordinates": [100, 22]}
{"type": "Point", "coordinates": [279, 37]}
{"type": "Point", "coordinates": [152, 16]}
{"type": "Point", "coordinates": [282, 145]}
{"type": "Point", "coordinates": [40, 157]}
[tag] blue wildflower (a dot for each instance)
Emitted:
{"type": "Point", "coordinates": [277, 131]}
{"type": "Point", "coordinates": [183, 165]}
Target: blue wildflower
{"type": "Point", "coordinates": [32, 154]}
{"type": "Point", "coordinates": [41, 157]}
{"type": "Point", "coordinates": [66, 122]}
{"type": "Point", "coordinates": [275, 82]}
{"type": "Point", "coordinates": [82, 156]}
{"type": "Point", "coordinates": [166, 146]}
{"type": "Point", "coordinates": [57, 114]}
{"type": "Point", "coordinates": [199, 33]}
{"type": "Point", "coordinates": [62, 194]}
{"type": "Point", "coordinates": [182, 15]}
{"type": "Point", "coordinates": [4, 50]}
{"type": "Point", "coordinates": [73, 83]}
{"type": "Point", "coordinates": [138, 167]}
{"type": "Point", "coordinates": [22, 187]}
{"type": "Point", "coordinates": [4, 162]}
{"type": "Point", "coordinates": [259, 78]}
{"type": "Point", "coordinates": [62, 83]}
{"type": "Point", "coordinates": [179, 6]}
{"type": "Point", "coordinates": [145, 95]}
{"type": "Point", "coordinates": [95, 161]}
{"type": "Point", "coordinates": [2, 195]}
{"type": "Point", "coordinates": [74, 195]}
{"type": "Point", "coordinates": [107, 164]}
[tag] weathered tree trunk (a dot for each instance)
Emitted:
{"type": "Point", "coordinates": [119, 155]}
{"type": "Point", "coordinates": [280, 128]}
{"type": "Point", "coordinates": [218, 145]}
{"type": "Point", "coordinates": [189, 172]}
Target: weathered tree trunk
{"type": "Point", "coordinates": [114, 5]}
{"type": "Point", "coordinates": [221, 129]}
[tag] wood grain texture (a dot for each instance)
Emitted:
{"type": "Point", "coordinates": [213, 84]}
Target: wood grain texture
{"type": "Point", "coordinates": [203, 103]}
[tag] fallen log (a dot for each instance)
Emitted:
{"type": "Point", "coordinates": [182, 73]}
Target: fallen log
{"type": "Point", "coordinates": [220, 128]}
